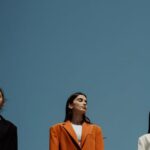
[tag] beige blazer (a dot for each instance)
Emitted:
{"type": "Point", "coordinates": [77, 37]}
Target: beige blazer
{"type": "Point", "coordinates": [144, 142]}
{"type": "Point", "coordinates": [63, 137]}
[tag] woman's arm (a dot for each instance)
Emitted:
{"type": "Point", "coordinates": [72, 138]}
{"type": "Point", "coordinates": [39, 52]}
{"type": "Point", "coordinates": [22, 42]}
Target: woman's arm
{"type": "Point", "coordinates": [11, 140]}
{"type": "Point", "coordinates": [99, 143]}
{"type": "Point", "coordinates": [140, 144]}
{"type": "Point", "coordinates": [54, 141]}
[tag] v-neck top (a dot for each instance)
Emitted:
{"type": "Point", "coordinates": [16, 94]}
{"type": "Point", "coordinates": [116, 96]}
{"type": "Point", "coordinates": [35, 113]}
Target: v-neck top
{"type": "Point", "coordinates": [78, 131]}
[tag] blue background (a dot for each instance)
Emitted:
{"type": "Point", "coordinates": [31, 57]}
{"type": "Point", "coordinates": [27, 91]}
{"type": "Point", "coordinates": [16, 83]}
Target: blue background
{"type": "Point", "coordinates": [49, 49]}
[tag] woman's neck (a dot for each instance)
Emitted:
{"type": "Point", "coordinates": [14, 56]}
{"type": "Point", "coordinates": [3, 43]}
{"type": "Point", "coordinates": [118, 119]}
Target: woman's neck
{"type": "Point", "coordinates": [77, 119]}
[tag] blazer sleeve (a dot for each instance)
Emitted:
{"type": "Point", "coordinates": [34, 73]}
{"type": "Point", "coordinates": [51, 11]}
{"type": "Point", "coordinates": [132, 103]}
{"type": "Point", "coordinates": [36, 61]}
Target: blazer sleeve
{"type": "Point", "coordinates": [140, 144]}
{"type": "Point", "coordinates": [12, 139]}
{"type": "Point", "coordinates": [99, 143]}
{"type": "Point", "coordinates": [54, 141]}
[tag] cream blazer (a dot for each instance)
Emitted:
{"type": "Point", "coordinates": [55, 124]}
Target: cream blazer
{"type": "Point", "coordinates": [144, 142]}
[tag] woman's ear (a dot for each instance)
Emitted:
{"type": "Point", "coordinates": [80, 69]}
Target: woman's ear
{"type": "Point", "coordinates": [70, 106]}
{"type": "Point", "coordinates": [2, 104]}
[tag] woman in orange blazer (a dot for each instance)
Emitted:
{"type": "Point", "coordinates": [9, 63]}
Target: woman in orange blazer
{"type": "Point", "coordinates": [76, 132]}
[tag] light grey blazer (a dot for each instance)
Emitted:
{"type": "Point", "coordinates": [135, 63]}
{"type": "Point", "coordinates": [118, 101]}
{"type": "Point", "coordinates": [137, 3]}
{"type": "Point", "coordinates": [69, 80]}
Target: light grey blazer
{"type": "Point", "coordinates": [144, 142]}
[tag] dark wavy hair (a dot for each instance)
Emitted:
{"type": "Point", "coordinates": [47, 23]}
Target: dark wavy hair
{"type": "Point", "coordinates": [3, 97]}
{"type": "Point", "coordinates": [68, 115]}
{"type": "Point", "coordinates": [149, 124]}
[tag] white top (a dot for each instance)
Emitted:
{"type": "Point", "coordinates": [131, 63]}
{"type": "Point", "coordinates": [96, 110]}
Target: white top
{"type": "Point", "coordinates": [144, 142]}
{"type": "Point", "coordinates": [78, 131]}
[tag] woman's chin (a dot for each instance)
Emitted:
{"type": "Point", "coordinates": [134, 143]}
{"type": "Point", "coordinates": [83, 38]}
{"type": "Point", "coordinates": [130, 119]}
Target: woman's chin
{"type": "Point", "coordinates": [83, 111]}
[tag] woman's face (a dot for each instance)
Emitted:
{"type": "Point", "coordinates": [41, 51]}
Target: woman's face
{"type": "Point", "coordinates": [1, 100]}
{"type": "Point", "coordinates": [79, 104]}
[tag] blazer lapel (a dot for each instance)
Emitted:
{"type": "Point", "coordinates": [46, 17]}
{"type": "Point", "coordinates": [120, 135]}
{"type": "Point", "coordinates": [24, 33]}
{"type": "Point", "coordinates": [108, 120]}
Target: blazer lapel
{"type": "Point", "coordinates": [86, 129]}
{"type": "Point", "coordinates": [68, 127]}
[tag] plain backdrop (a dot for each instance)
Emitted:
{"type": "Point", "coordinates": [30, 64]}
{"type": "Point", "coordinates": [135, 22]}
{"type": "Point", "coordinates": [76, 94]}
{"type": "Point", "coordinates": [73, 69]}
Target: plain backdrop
{"type": "Point", "coordinates": [52, 48]}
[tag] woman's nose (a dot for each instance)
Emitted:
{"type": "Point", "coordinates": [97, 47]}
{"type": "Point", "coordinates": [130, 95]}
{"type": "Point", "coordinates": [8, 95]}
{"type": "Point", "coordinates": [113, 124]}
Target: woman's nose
{"type": "Point", "coordinates": [84, 103]}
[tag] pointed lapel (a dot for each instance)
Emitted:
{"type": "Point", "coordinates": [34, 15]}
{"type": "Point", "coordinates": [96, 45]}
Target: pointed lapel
{"type": "Point", "coordinates": [68, 127]}
{"type": "Point", "coordinates": [86, 129]}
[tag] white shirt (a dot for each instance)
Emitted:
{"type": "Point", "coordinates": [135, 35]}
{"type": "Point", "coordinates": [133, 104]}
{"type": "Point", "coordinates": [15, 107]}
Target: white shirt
{"type": "Point", "coordinates": [144, 142]}
{"type": "Point", "coordinates": [78, 131]}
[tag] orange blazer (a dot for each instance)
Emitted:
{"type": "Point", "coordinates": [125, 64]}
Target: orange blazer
{"type": "Point", "coordinates": [63, 137]}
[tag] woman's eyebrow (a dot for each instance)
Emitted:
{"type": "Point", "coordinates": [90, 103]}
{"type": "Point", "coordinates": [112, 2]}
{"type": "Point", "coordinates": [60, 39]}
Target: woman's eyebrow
{"type": "Point", "coordinates": [82, 99]}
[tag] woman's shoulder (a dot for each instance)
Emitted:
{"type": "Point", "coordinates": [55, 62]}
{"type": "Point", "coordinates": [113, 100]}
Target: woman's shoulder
{"type": "Point", "coordinates": [57, 125]}
{"type": "Point", "coordinates": [144, 136]}
{"type": "Point", "coordinates": [96, 126]}
{"type": "Point", "coordinates": [7, 123]}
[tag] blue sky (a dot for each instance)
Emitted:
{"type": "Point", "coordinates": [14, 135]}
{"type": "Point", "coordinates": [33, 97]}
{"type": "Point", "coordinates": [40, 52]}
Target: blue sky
{"type": "Point", "coordinates": [49, 49]}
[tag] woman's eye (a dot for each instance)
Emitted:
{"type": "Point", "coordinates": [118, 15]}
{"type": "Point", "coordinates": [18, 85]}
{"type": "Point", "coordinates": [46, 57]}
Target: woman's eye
{"type": "Point", "coordinates": [80, 100]}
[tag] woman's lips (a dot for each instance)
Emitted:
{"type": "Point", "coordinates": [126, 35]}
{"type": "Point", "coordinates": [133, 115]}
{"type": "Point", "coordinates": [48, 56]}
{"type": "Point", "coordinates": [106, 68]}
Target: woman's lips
{"type": "Point", "coordinates": [83, 107]}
